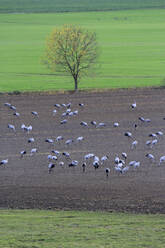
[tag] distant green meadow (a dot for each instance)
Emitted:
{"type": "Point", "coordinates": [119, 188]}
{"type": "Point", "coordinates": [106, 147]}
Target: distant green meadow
{"type": "Point", "coordinates": [70, 229]}
{"type": "Point", "coordinates": [131, 50]}
{"type": "Point", "coordinates": [24, 6]}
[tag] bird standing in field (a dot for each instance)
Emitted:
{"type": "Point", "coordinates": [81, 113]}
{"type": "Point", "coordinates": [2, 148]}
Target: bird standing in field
{"type": "Point", "coordinates": [84, 124]}
{"type": "Point", "coordinates": [33, 151]}
{"type": "Point", "coordinates": [80, 138]}
{"type": "Point", "coordinates": [50, 141]}
{"type": "Point", "coordinates": [134, 144]}
{"type": "Point", "coordinates": [31, 140]}
{"type": "Point", "coordinates": [22, 153]}
{"type": "Point", "coordinates": [12, 127]}
{"type": "Point", "coordinates": [161, 160]}
{"type": "Point", "coordinates": [50, 167]}
{"type": "Point", "coordinates": [94, 123]}
{"type": "Point", "coordinates": [128, 134]}
{"type": "Point", "coordinates": [84, 166]}
{"type": "Point", "coordinates": [4, 162]}
{"type": "Point", "coordinates": [16, 114]}
{"type": "Point", "coordinates": [124, 155]}
{"type": "Point", "coordinates": [133, 105]}
{"type": "Point", "coordinates": [150, 156]}
{"type": "Point", "coordinates": [107, 171]}
{"type": "Point", "coordinates": [116, 124]}
{"type": "Point", "coordinates": [34, 113]}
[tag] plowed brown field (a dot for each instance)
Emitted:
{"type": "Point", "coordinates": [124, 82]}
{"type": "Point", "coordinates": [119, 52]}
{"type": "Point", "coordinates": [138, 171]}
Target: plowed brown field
{"type": "Point", "coordinates": [25, 182]}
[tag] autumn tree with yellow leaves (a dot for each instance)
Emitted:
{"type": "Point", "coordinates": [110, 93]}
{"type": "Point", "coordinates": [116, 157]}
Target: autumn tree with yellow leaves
{"type": "Point", "coordinates": [71, 49]}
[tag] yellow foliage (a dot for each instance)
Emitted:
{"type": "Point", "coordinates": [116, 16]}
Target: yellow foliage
{"type": "Point", "coordinates": [71, 49]}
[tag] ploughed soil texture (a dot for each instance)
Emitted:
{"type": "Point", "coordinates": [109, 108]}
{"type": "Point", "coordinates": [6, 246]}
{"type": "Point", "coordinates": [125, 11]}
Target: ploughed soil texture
{"type": "Point", "coordinates": [26, 183]}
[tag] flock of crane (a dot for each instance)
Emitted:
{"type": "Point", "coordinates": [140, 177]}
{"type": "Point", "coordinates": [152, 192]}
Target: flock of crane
{"type": "Point", "coordinates": [63, 158]}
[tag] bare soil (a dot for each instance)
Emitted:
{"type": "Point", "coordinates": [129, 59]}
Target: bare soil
{"type": "Point", "coordinates": [25, 182]}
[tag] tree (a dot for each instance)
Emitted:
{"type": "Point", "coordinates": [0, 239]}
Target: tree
{"type": "Point", "coordinates": [72, 50]}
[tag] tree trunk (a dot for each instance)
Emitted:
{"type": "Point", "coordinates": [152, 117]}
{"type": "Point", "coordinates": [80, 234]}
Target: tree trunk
{"type": "Point", "coordinates": [75, 84]}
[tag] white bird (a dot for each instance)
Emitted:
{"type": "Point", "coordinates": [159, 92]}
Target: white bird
{"type": "Point", "coordinates": [23, 126]}
{"type": "Point", "coordinates": [34, 113]}
{"type": "Point", "coordinates": [88, 156]}
{"type": "Point", "coordinates": [66, 154]}
{"type": "Point", "coordinates": [22, 153]}
{"type": "Point", "coordinates": [104, 158]}
{"type": "Point", "coordinates": [73, 163]}
{"type": "Point", "coordinates": [63, 121]}
{"type": "Point", "coordinates": [26, 128]}
{"type": "Point", "coordinates": [148, 142]}
{"type": "Point", "coordinates": [150, 156]}
{"type": "Point", "coordinates": [61, 163]}
{"type": "Point", "coordinates": [131, 163]}
{"type": "Point", "coordinates": [16, 114]}
{"type": "Point", "coordinates": [7, 104]}
{"type": "Point", "coordinates": [94, 123]}
{"type": "Point", "coordinates": [124, 155]}
{"type": "Point", "coordinates": [81, 104]}
{"type": "Point", "coordinates": [29, 128]}
{"type": "Point", "coordinates": [69, 142]}
{"type": "Point", "coordinates": [57, 105]}
{"type": "Point", "coordinates": [101, 124]}
{"type": "Point", "coordinates": [96, 164]}
{"type": "Point", "coordinates": [80, 138]}
{"type": "Point", "coordinates": [56, 152]}
{"type": "Point", "coordinates": [96, 158]}
{"type": "Point", "coordinates": [59, 138]}
{"type": "Point", "coordinates": [68, 110]}
{"type": "Point", "coordinates": [50, 167]}
{"type": "Point", "coordinates": [128, 134]}
{"type": "Point", "coordinates": [12, 107]}
{"type": "Point", "coordinates": [83, 123]}
{"type": "Point", "coordinates": [54, 111]}
{"type": "Point", "coordinates": [134, 144]}
{"type": "Point", "coordinates": [54, 157]}
{"type": "Point", "coordinates": [147, 120]}
{"type": "Point", "coordinates": [161, 160]}
{"type": "Point", "coordinates": [116, 124]}
{"type": "Point", "coordinates": [68, 105]}
{"type": "Point", "coordinates": [12, 127]}
{"type": "Point", "coordinates": [4, 162]}
{"type": "Point", "coordinates": [142, 119]}
{"type": "Point", "coordinates": [152, 135]}
{"type": "Point", "coordinates": [125, 169]}
{"type": "Point", "coordinates": [136, 164]}
{"type": "Point", "coordinates": [133, 105]}
{"type": "Point", "coordinates": [64, 114]}
{"type": "Point", "coordinates": [30, 140]}
{"type": "Point", "coordinates": [159, 133]}
{"type": "Point", "coordinates": [120, 165]}
{"type": "Point", "coordinates": [118, 169]}
{"type": "Point", "coordinates": [71, 114]}
{"type": "Point", "coordinates": [117, 160]}
{"type": "Point", "coordinates": [154, 142]}
{"type": "Point", "coordinates": [49, 156]}
{"type": "Point", "coordinates": [75, 112]}
{"type": "Point", "coordinates": [51, 141]}
{"type": "Point", "coordinates": [33, 150]}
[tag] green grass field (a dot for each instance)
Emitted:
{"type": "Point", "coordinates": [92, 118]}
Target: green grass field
{"type": "Point", "coordinates": [75, 229]}
{"type": "Point", "coordinates": [131, 47]}
{"type": "Point", "coordinates": [25, 6]}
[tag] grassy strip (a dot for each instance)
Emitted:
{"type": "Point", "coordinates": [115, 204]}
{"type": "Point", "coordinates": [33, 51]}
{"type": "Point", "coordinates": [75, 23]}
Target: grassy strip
{"type": "Point", "coordinates": [131, 45]}
{"type": "Point", "coordinates": [72, 229]}
{"type": "Point", "coordinates": [33, 6]}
